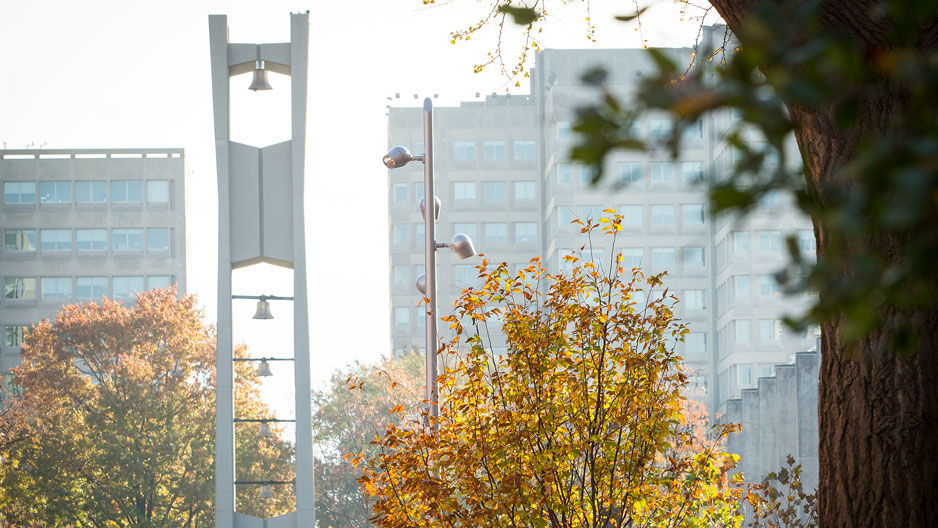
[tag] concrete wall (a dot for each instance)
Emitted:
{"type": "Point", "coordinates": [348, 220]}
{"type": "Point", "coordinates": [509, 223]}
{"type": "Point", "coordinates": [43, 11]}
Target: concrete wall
{"type": "Point", "coordinates": [778, 418]}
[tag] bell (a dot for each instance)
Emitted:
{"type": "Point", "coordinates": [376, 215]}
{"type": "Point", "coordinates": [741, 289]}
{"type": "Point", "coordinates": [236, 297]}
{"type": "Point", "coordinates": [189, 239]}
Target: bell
{"type": "Point", "coordinates": [260, 77]}
{"type": "Point", "coordinates": [264, 369]}
{"type": "Point", "coordinates": [264, 431]}
{"type": "Point", "coordinates": [263, 310]}
{"type": "Point", "coordinates": [265, 491]}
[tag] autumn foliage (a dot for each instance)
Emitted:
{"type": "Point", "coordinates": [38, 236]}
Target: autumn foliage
{"type": "Point", "coordinates": [579, 423]}
{"type": "Point", "coordinates": [120, 427]}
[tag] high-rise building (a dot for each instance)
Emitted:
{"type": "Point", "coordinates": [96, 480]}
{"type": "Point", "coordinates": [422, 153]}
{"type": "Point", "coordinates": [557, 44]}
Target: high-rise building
{"type": "Point", "coordinates": [81, 224]}
{"type": "Point", "coordinates": [504, 177]}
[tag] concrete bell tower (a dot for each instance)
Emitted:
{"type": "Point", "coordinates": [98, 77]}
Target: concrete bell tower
{"type": "Point", "coordinates": [261, 219]}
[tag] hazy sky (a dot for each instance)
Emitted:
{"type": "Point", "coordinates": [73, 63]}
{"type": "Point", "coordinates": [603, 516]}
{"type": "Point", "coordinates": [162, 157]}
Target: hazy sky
{"type": "Point", "coordinates": [111, 74]}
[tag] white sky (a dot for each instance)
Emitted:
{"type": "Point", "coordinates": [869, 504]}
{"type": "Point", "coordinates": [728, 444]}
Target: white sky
{"type": "Point", "coordinates": [112, 74]}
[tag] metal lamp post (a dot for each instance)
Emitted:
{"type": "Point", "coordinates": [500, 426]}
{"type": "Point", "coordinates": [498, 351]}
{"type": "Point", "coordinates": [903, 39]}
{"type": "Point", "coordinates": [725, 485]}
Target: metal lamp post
{"type": "Point", "coordinates": [460, 244]}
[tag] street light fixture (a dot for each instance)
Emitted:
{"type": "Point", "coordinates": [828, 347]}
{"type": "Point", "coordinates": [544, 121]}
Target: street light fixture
{"type": "Point", "coordinates": [461, 244]}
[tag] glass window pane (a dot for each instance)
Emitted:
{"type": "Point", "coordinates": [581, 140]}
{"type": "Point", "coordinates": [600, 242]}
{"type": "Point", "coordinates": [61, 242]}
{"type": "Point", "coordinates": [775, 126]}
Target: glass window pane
{"type": "Point", "coordinates": [157, 191]}
{"type": "Point", "coordinates": [158, 281]}
{"type": "Point", "coordinates": [158, 238]}
{"type": "Point", "coordinates": [19, 288]}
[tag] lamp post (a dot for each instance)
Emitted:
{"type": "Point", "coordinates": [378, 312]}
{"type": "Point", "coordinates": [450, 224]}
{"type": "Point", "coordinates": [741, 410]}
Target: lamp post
{"type": "Point", "coordinates": [460, 244]}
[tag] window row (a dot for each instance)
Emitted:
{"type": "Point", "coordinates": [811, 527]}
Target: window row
{"type": "Point", "coordinates": [522, 150]}
{"type": "Point", "coordinates": [771, 241]}
{"type": "Point", "coordinates": [493, 232]}
{"type": "Point", "coordinates": [52, 240]}
{"type": "Point", "coordinates": [634, 173]}
{"type": "Point", "coordinates": [658, 129]}
{"type": "Point", "coordinates": [770, 331]}
{"type": "Point", "coordinates": [82, 288]}
{"type": "Point", "coordinates": [492, 191]}
{"type": "Point", "coordinates": [662, 258]}
{"type": "Point", "coordinates": [740, 286]}
{"type": "Point", "coordinates": [633, 216]}
{"type": "Point", "coordinates": [86, 192]}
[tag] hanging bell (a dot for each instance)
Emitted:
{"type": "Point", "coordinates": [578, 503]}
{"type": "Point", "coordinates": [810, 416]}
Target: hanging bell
{"type": "Point", "coordinates": [265, 491]}
{"type": "Point", "coordinates": [264, 431]}
{"type": "Point", "coordinates": [260, 77]}
{"type": "Point", "coordinates": [264, 369]}
{"type": "Point", "coordinates": [263, 310]}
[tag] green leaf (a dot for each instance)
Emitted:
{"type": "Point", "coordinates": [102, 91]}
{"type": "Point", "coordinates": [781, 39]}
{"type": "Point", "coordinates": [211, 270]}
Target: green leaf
{"type": "Point", "coordinates": [523, 16]}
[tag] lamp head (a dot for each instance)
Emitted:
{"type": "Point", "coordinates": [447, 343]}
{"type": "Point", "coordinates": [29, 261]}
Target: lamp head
{"type": "Point", "coordinates": [436, 208]}
{"type": "Point", "coordinates": [397, 157]}
{"type": "Point", "coordinates": [422, 283]}
{"type": "Point", "coordinates": [260, 77]}
{"type": "Point", "coordinates": [462, 246]}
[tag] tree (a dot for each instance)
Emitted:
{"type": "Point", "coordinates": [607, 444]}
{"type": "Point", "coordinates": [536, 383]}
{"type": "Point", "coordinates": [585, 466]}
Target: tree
{"type": "Point", "coordinates": [577, 423]}
{"type": "Point", "coordinates": [854, 81]}
{"type": "Point", "coordinates": [349, 415]}
{"type": "Point", "coordinates": [120, 408]}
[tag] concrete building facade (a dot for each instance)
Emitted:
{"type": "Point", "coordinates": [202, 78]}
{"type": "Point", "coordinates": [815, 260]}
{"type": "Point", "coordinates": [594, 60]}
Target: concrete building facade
{"type": "Point", "coordinates": [504, 177]}
{"type": "Point", "coordinates": [81, 224]}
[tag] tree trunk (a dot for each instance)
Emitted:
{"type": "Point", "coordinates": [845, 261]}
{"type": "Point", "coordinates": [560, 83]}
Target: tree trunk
{"type": "Point", "coordinates": [878, 418]}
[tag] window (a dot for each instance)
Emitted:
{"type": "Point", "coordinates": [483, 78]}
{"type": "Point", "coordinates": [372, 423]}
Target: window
{"type": "Point", "coordinates": [463, 191]}
{"type": "Point", "coordinates": [525, 232]}
{"type": "Point", "coordinates": [19, 192]}
{"type": "Point", "coordinates": [525, 191]}
{"type": "Point", "coordinates": [56, 287]}
{"type": "Point", "coordinates": [692, 257]}
{"type": "Point", "coordinates": [493, 150]}
{"type": "Point", "coordinates": [496, 232]}
{"type": "Point", "coordinates": [126, 287]}
{"type": "Point", "coordinates": [744, 375]}
{"type": "Point", "coordinates": [771, 199]}
{"type": "Point", "coordinates": [55, 239]}
{"type": "Point", "coordinates": [91, 239]}
{"type": "Point", "coordinates": [91, 287]}
{"type": "Point", "coordinates": [399, 192]}
{"type": "Point", "coordinates": [741, 286]}
{"type": "Point", "coordinates": [740, 241]}
{"type": "Point", "coordinates": [630, 173]}
{"type": "Point", "coordinates": [632, 257]}
{"type": "Point", "coordinates": [766, 370]}
{"type": "Point", "coordinates": [693, 214]}
{"type": "Point", "coordinates": [127, 239]}
{"type": "Point", "coordinates": [124, 191]}
{"type": "Point", "coordinates": [91, 191]}
{"type": "Point", "coordinates": [695, 344]}
{"type": "Point", "coordinates": [13, 335]}
{"type": "Point", "coordinates": [659, 129]}
{"type": "Point", "coordinates": [55, 192]}
{"type": "Point", "coordinates": [158, 191]}
{"type": "Point", "coordinates": [564, 173]}
{"type": "Point", "coordinates": [662, 215]}
{"type": "Point", "coordinates": [464, 274]}
{"type": "Point", "coordinates": [400, 233]}
{"type": "Point", "coordinates": [420, 232]}
{"type": "Point", "coordinates": [494, 191]}
{"type": "Point", "coordinates": [158, 281]}
{"type": "Point", "coordinates": [631, 215]}
{"type": "Point", "coordinates": [401, 317]}
{"type": "Point", "coordinates": [662, 172]}
{"type": "Point", "coordinates": [468, 229]}
{"type": "Point", "coordinates": [401, 275]}
{"type": "Point", "coordinates": [806, 241]}
{"type": "Point", "coordinates": [563, 131]}
{"type": "Point", "coordinates": [635, 130]}
{"type": "Point", "coordinates": [768, 285]}
{"type": "Point", "coordinates": [19, 240]}
{"type": "Point", "coordinates": [692, 171]}
{"type": "Point", "coordinates": [158, 239]}
{"type": "Point", "coordinates": [695, 299]}
{"type": "Point", "coordinates": [743, 330]}
{"type": "Point", "coordinates": [769, 330]}
{"type": "Point", "coordinates": [595, 255]}
{"type": "Point", "coordinates": [770, 241]}
{"type": "Point", "coordinates": [591, 212]}
{"type": "Point", "coordinates": [464, 150]}
{"type": "Point", "coordinates": [525, 150]}
{"type": "Point", "coordinates": [564, 215]}
{"type": "Point", "coordinates": [662, 257]}
{"type": "Point", "coordinates": [418, 191]}
{"type": "Point", "coordinates": [586, 174]}
{"type": "Point", "coordinates": [694, 130]}
{"type": "Point", "coordinates": [19, 288]}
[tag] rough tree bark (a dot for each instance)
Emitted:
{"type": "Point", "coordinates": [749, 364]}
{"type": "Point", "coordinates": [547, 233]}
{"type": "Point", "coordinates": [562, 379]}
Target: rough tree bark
{"type": "Point", "coordinates": [878, 417]}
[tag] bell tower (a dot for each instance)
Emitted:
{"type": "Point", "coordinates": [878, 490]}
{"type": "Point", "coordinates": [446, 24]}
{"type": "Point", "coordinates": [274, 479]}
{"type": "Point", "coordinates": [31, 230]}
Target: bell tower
{"type": "Point", "coordinates": [261, 219]}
